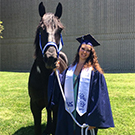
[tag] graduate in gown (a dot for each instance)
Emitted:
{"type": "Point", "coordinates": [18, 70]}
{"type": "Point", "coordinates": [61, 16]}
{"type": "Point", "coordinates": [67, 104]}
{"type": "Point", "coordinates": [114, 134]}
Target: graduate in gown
{"type": "Point", "coordinates": [85, 92]}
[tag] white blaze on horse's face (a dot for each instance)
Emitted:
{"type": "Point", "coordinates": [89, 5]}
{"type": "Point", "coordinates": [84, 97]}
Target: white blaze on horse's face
{"type": "Point", "coordinates": [50, 21]}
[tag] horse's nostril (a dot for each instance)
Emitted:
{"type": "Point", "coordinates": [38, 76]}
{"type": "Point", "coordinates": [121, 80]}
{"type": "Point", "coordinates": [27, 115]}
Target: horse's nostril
{"type": "Point", "coordinates": [51, 59]}
{"type": "Point", "coordinates": [55, 59]}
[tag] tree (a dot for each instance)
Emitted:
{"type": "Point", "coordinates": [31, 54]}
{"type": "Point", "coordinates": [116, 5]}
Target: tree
{"type": "Point", "coordinates": [1, 29]}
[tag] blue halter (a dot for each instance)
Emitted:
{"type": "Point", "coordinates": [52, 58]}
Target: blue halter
{"type": "Point", "coordinates": [52, 44]}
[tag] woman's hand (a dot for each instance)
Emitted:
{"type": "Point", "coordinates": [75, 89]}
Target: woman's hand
{"type": "Point", "coordinates": [57, 65]}
{"type": "Point", "coordinates": [91, 127]}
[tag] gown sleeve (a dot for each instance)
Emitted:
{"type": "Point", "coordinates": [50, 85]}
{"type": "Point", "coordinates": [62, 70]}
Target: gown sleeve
{"type": "Point", "coordinates": [99, 109]}
{"type": "Point", "coordinates": [56, 92]}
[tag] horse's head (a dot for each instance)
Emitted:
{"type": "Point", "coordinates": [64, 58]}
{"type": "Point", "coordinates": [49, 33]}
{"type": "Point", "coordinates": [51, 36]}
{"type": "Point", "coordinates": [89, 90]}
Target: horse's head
{"type": "Point", "coordinates": [48, 37]}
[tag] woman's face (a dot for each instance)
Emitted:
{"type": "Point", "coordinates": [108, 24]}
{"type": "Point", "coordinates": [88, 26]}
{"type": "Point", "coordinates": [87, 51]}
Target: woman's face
{"type": "Point", "coordinates": [84, 51]}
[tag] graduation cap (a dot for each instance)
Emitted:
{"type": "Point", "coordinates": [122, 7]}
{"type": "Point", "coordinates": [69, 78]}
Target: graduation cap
{"type": "Point", "coordinates": [87, 39]}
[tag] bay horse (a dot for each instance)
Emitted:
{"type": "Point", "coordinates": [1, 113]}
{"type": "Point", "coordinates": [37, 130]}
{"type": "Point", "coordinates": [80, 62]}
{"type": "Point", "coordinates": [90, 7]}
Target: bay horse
{"type": "Point", "coordinates": [47, 47]}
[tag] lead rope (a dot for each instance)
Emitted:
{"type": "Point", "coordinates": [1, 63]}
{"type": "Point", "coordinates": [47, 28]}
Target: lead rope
{"type": "Point", "coordinates": [81, 126]}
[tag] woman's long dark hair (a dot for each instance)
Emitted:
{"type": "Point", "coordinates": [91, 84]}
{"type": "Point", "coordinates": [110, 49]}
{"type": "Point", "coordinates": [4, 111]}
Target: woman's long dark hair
{"type": "Point", "coordinates": [92, 60]}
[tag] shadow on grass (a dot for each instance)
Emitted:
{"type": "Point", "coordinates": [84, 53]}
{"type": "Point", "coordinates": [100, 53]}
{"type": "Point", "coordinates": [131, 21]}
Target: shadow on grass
{"type": "Point", "coordinates": [27, 130]}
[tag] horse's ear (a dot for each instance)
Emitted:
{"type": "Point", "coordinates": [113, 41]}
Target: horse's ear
{"type": "Point", "coordinates": [41, 9]}
{"type": "Point", "coordinates": [58, 12]}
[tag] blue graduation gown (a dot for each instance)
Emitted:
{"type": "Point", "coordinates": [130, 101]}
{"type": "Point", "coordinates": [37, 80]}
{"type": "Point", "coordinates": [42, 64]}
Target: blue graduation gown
{"type": "Point", "coordinates": [52, 87]}
{"type": "Point", "coordinates": [98, 113]}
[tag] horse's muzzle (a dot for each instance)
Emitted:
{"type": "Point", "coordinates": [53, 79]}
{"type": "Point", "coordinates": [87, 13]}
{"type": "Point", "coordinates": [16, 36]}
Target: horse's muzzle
{"type": "Point", "coordinates": [50, 63]}
{"type": "Point", "coordinates": [50, 57]}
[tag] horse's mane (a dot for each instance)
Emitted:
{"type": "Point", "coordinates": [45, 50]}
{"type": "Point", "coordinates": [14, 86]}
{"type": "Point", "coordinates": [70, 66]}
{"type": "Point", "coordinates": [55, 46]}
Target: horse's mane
{"type": "Point", "coordinates": [48, 20]}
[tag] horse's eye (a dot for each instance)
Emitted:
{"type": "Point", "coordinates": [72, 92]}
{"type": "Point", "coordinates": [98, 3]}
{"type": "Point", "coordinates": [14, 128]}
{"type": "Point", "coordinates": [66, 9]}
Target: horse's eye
{"type": "Point", "coordinates": [60, 30]}
{"type": "Point", "coordinates": [40, 29]}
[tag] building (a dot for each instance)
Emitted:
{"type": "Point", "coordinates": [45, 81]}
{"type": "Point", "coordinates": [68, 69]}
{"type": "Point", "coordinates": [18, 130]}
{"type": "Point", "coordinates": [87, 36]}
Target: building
{"type": "Point", "coordinates": [111, 22]}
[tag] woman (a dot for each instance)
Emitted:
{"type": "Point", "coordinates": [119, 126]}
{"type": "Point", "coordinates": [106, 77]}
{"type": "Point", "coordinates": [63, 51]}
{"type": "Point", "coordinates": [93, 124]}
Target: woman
{"type": "Point", "coordinates": [85, 91]}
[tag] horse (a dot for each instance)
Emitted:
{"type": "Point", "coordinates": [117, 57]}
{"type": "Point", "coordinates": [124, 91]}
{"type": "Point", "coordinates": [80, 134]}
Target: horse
{"type": "Point", "coordinates": [47, 47]}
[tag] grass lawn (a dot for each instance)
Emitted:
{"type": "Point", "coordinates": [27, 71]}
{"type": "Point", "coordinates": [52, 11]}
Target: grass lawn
{"type": "Point", "coordinates": [16, 117]}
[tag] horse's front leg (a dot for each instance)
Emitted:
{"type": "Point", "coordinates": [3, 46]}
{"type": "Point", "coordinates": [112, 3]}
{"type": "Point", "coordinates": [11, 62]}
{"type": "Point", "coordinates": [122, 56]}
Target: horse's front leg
{"type": "Point", "coordinates": [36, 111]}
{"type": "Point", "coordinates": [48, 129]}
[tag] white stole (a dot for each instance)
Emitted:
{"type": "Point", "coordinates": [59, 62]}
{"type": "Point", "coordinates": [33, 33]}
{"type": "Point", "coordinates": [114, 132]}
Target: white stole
{"type": "Point", "coordinates": [83, 91]}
